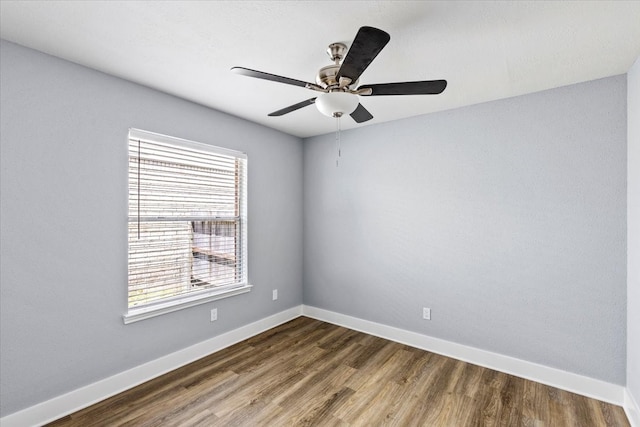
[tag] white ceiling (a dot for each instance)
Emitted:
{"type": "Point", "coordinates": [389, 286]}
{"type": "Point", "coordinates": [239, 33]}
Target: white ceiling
{"type": "Point", "coordinates": [486, 50]}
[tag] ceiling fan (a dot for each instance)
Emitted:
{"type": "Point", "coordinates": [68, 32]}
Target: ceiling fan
{"type": "Point", "coordinates": [338, 83]}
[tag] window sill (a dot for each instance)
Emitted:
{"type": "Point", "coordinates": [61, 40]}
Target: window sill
{"type": "Point", "coordinates": [137, 314]}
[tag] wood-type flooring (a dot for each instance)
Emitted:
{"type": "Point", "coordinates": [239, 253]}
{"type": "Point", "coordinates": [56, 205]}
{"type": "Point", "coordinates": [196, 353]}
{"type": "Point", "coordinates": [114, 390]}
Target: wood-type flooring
{"type": "Point", "coordinates": [311, 373]}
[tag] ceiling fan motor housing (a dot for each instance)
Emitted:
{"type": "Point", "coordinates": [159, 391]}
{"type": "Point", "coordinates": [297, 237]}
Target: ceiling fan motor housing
{"type": "Point", "coordinates": [327, 76]}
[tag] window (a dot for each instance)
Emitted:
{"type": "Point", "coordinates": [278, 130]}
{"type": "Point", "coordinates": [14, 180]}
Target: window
{"type": "Point", "coordinates": [187, 224]}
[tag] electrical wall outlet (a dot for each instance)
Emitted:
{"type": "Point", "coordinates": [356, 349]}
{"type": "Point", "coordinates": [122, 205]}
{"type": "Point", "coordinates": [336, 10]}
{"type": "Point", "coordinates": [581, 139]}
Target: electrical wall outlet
{"type": "Point", "coordinates": [214, 314]}
{"type": "Point", "coordinates": [275, 294]}
{"type": "Point", "coordinates": [426, 313]}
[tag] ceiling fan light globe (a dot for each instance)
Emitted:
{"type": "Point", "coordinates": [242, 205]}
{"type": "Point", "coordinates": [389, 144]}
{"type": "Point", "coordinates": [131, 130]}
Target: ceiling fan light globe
{"type": "Point", "coordinates": [336, 104]}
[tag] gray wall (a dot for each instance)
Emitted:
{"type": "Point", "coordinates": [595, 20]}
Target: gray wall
{"type": "Point", "coordinates": [507, 219]}
{"type": "Point", "coordinates": [633, 233]}
{"type": "Point", "coordinates": [64, 215]}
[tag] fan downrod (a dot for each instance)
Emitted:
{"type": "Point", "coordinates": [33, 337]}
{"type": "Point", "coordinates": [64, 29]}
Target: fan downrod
{"type": "Point", "coordinates": [327, 76]}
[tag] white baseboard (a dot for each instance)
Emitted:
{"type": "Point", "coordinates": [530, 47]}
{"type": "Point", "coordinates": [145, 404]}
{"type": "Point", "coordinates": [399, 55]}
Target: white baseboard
{"type": "Point", "coordinates": [75, 400]}
{"type": "Point", "coordinates": [631, 408]}
{"type": "Point", "coordinates": [568, 381]}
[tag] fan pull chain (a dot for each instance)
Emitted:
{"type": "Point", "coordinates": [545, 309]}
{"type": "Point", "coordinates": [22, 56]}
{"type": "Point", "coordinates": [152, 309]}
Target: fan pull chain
{"type": "Point", "coordinates": [338, 147]}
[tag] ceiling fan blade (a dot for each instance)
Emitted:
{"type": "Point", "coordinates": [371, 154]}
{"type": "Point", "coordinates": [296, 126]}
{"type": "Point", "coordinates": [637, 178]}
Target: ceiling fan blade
{"type": "Point", "coordinates": [366, 46]}
{"type": "Point", "coordinates": [268, 76]}
{"type": "Point", "coordinates": [293, 107]}
{"type": "Point", "coordinates": [361, 114]}
{"type": "Point", "coordinates": [428, 87]}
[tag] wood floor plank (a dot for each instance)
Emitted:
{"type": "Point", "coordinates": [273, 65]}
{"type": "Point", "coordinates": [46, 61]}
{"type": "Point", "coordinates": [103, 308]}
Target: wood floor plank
{"type": "Point", "coordinates": [409, 382]}
{"type": "Point", "coordinates": [370, 390]}
{"type": "Point", "coordinates": [311, 373]}
{"type": "Point", "coordinates": [425, 397]}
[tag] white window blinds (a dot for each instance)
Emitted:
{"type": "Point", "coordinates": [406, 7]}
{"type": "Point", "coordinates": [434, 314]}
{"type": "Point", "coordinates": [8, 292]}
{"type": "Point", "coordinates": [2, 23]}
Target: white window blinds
{"type": "Point", "coordinates": [187, 220]}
